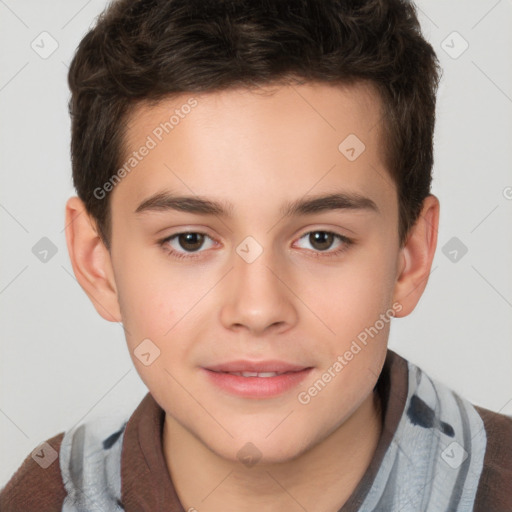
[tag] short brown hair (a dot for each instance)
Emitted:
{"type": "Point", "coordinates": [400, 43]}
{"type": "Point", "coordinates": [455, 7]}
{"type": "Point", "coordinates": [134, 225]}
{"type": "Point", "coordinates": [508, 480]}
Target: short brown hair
{"type": "Point", "coordinates": [143, 50]}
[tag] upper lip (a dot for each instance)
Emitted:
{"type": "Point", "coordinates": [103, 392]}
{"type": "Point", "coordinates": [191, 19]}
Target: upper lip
{"type": "Point", "coordinates": [256, 366]}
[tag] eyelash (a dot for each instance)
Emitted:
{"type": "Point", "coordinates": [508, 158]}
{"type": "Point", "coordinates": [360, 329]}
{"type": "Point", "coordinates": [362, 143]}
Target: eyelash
{"type": "Point", "coordinates": [347, 242]}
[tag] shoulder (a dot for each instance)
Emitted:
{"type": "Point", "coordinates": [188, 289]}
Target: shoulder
{"type": "Point", "coordinates": [495, 485]}
{"type": "Point", "coordinates": [484, 475]}
{"type": "Point", "coordinates": [36, 486]}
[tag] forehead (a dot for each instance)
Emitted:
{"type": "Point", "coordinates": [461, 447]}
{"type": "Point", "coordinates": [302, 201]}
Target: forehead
{"type": "Point", "coordinates": [334, 105]}
{"type": "Point", "coordinates": [277, 140]}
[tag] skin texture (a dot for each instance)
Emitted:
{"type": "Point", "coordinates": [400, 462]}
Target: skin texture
{"type": "Point", "coordinates": [258, 150]}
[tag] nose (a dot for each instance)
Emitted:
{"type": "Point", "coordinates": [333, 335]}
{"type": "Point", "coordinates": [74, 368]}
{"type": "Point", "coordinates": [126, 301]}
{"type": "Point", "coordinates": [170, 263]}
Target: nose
{"type": "Point", "coordinates": [257, 297]}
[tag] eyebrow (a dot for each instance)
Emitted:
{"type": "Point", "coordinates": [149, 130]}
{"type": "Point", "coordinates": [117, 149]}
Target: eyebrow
{"type": "Point", "coordinates": [164, 201]}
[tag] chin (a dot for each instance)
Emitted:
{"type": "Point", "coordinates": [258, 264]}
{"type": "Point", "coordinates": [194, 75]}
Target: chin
{"type": "Point", "coordinates": [256, 448]}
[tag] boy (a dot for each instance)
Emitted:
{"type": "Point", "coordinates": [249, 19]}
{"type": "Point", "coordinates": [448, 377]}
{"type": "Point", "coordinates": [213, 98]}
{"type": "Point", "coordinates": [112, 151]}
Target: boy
{"type": "Point", "coordinates": [291, 141]}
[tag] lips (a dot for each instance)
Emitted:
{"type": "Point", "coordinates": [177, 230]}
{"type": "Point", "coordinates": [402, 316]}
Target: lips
{"type": "Point", "coordinates": [256, 374]}
{"type": "Point", "coordinates": [256, 368]}
{"type": "Point", "coordinates": [261, 380]}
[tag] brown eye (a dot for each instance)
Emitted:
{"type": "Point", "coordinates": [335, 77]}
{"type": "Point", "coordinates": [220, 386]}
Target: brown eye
{"type": "Point", "coordinates": [325, 243]}
{"type": "Point", "coordinates": [189, 244]}
{"type": "Point", "coordinates": [321, 240]}
{"type": "Point", "coordinates": [190, 241]}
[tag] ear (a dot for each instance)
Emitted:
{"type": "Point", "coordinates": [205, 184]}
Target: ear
{"type": "Point", "coordinates": [91, 260]}
{"type": "Point", "coordinates": [415, 258]}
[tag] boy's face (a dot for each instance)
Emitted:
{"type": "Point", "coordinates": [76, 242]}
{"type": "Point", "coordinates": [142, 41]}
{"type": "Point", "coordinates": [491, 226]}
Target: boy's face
{"type": "Point", "coordinates": [259, 285]}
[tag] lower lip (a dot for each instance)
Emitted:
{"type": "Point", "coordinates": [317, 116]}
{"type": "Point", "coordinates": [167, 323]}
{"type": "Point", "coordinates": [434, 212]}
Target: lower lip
{"type": "Point", "coordinates": [257, 387]}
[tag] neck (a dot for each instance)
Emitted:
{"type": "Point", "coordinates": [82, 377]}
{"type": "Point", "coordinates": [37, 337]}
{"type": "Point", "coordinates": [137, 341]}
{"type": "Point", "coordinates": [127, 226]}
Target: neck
{"type": "Point", "coordinates": [320, 479]}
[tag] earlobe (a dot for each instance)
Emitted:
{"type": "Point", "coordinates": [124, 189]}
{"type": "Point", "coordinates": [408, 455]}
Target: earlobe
{"type": "Point", "coordinates": [416, 257]}
{"type": "Point", "coordinates": [91, 261]}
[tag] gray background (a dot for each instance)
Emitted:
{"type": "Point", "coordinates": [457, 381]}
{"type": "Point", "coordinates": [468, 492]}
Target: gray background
{"type": "Point", "coordinates": [61, 363]}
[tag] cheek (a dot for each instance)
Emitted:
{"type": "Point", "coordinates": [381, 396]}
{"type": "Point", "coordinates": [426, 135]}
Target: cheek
{"type": "Point", "coordinates": [144, 308]}
{"type": "Point", "coordinates": [350, 305]}
{"type": "Point", "coordinates": [159, 302]}
{"type": "Point", "coordinates": [156, 322]}
{"type": "Point", "coordinates": [351, 297]}
{"type": "Point", "coordinates": [149, 302]}
{"type": "Point", "coordinates": [142, 289]}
